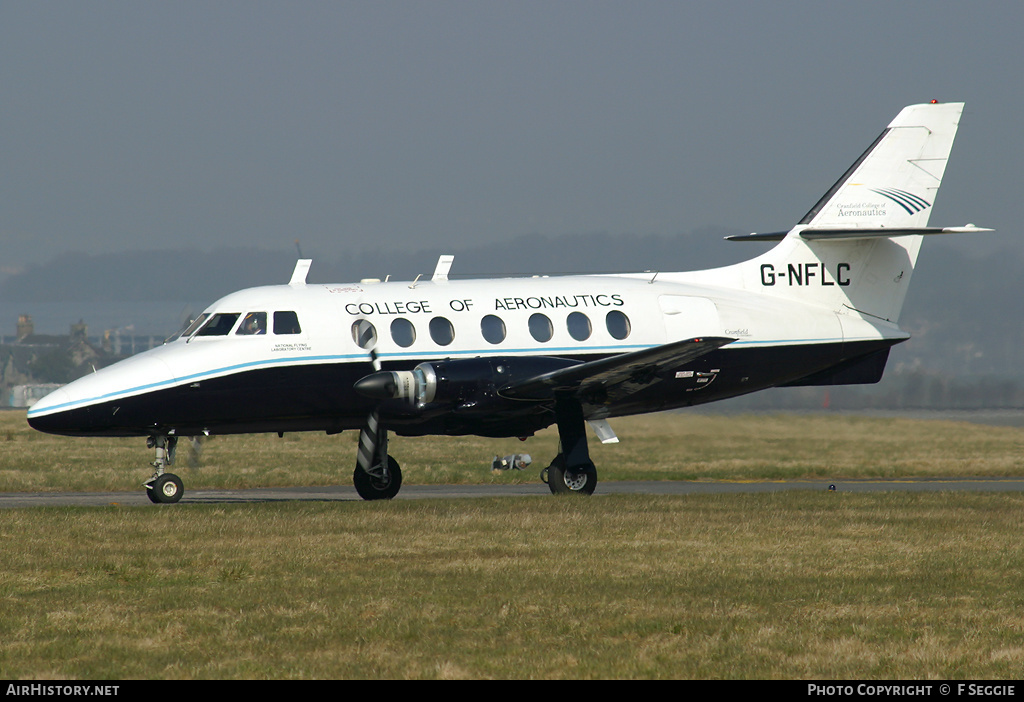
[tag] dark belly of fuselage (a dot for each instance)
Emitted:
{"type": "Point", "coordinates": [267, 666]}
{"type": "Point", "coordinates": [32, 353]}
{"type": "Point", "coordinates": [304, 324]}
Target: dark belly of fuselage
{"type": "Point", "coordinates": [320, 397]}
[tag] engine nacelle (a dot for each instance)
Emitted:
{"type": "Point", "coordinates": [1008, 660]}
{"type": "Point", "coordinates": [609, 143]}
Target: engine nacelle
{"type": "Point", "coordinates": [466, 384]}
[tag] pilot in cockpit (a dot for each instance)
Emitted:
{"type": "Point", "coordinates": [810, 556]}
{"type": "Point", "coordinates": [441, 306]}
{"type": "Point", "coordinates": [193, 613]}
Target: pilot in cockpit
{"type": "Point", "coordinates": [254, 323]}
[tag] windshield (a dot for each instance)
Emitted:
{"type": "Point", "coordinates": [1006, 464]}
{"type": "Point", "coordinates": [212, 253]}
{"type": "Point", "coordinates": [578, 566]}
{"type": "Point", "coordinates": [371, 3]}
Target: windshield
{"type": "Point", "coordinates": [219, 325]}
{"type": "Point", "coordinates": [254, 323]}
{"type": "Point", "coordinates": [188, 328]}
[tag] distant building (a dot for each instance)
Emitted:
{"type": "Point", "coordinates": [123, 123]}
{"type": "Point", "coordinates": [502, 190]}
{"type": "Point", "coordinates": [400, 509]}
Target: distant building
{"type": "Point", "coordinates": [34, 364]}
{"type": "Point", "coordinates": [25, 326]}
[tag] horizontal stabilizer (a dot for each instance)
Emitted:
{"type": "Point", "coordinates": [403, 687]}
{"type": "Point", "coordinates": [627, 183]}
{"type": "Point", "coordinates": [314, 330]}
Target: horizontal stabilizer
{"type": "Point", "coordinates": [758, 236]}
{"type": "Point", "coordinates": [833, 234]}
{"type": "Point", "coordinates": [638, 368]}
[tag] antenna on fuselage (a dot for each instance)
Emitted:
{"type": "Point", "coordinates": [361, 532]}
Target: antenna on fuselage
{"type": "Point", "coordinates": [444, 265]}
{"type": "Point", "coordinates": [300, 272]}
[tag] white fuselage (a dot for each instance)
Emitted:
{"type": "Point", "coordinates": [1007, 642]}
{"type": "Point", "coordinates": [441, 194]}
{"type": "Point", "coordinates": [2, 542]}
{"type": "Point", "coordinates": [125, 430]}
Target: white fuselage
{"type": "Point", "coordinates": [575, 316]}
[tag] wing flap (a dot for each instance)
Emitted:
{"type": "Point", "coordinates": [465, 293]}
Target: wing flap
{"type": "Point", "coordinates": [627, 372]}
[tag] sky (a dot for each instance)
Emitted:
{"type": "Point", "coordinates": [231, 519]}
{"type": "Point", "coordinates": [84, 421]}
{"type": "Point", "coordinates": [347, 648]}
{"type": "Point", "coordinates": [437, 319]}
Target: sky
{"type": "Point", "coordinates": [409, 125]}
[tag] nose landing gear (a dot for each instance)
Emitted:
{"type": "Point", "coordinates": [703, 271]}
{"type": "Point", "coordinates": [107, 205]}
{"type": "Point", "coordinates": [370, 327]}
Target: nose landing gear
{"type": "Point", "coordinates": [163, 488]}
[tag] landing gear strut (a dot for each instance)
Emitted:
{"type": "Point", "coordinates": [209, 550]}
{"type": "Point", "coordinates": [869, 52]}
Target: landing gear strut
{"type": "Point", "coordinates": [572, 471]}
{"type": "Point", "coordinates": [377, 475]}
{"type": "Point", "coordinates": [163, 488]}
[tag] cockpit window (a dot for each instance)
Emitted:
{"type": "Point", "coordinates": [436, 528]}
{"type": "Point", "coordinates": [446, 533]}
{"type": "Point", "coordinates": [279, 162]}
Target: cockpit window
{"type": "Point", "coordinates": [253, 323]}
{"type": "Point", "coordinates": [188, 328]}
{"type": "Point", "coordinates": [286, 323]}
{"type": "Point", "coordinates": [219, 325]}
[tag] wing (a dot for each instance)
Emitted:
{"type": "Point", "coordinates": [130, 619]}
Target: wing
{"type": "Point", "coordinates": [615, 377]}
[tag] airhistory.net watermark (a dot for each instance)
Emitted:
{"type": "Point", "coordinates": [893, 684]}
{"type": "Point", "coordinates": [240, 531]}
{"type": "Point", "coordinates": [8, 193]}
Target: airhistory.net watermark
{"type": "Point", "coordinates": [62, 690]}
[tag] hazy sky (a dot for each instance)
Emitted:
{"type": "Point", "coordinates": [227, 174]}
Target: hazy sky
{"type": "Point", "coordinates": [350, 125]}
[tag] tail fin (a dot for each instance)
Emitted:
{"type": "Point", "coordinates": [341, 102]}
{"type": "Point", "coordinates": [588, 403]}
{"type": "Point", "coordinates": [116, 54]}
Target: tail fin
{"type": "Point", "coordinates": [894, 182]}
{"type": "Point", "coordinates": [856, 248]}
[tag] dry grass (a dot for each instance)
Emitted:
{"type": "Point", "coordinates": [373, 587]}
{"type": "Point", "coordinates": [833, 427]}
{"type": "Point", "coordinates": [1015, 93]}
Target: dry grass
{"type": "Point", "coordinates": [794, 585]}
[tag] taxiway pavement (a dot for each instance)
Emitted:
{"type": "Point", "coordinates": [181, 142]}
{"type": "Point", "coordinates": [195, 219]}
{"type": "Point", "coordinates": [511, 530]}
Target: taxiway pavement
{"type": "Point", "coordinates": [414, 492]}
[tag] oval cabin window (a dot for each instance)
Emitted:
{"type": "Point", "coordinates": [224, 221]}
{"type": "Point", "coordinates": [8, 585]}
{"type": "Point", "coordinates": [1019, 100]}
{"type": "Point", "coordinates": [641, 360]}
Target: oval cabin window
{"type": "Point", "coordinates": [540, 327]}
{"type": "Point", "coordinates": [441, 331]}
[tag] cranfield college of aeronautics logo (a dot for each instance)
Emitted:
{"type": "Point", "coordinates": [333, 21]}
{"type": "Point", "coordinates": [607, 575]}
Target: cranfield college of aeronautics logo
{"type": "Point", "coordinates": [908, 201]}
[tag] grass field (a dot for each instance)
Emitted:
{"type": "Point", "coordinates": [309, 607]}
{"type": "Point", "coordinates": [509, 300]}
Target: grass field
{"type": "Point", "coordinates": [788, 585]}
{"type": "Point", "coordinates": [668, 446]}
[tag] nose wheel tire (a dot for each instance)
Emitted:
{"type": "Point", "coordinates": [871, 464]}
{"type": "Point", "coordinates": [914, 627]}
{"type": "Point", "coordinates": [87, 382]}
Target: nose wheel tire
{"type": "Point", "coordinates": [165, 489]}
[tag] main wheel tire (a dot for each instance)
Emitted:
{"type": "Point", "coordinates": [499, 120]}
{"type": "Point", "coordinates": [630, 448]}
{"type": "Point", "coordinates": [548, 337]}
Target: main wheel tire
{"type": "Point", "coordinates": [564, 481]}
{"type": "Point", "coordinates": [166, 489]}
{"type": "Point", "coordinates": [372, 487]}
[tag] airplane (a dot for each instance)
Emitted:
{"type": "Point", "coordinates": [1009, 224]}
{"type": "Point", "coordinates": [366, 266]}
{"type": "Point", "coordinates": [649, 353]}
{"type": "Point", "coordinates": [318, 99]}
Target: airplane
{"type": "Point", "coordinates": [510, 357]}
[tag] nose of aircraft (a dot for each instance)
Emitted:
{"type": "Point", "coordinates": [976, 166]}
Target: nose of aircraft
{"type": "Point", "coordinates": [90, 405]}
{"type": "Point", "coordinates": [45, 412]}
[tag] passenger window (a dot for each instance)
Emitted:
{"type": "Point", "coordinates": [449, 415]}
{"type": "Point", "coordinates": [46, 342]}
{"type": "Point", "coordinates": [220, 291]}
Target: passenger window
{"type": "Point", "coordinates": [493, 329]}
{"type": "Point", "coordinates": [441, 331]}
{"type": "Point", "coordinates": [286, 323]}
{"type": "Point", "coordinates": [403, 332]}
{"type": "Point", "coordinates": [579, 326]}
{"type": "Point", "coordinates": [618, 324]}
{"type": "Point", "coordinates": [540, 327]}
{"type": "Point", "coordinates": [219, 324]}
{"type": "Point", "coordinates": [364, 333]}
{"type": "Point", "coordinates": [252, 324]}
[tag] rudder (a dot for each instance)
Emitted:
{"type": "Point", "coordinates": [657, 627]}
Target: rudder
{"type": "Point", "coordinates": [895, 181]}
{"type": "Point", "coordinates": [855, 250]}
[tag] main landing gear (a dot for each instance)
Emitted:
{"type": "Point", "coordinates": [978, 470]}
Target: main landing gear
{"type": "Point", "coordinates": [163, 488]}
{"type": "Point", "coordinates": [378, 476]}
{"type": "Point", "coordinates": [572, 471]}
